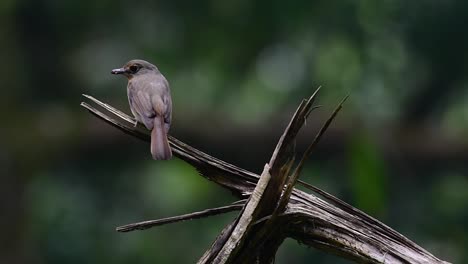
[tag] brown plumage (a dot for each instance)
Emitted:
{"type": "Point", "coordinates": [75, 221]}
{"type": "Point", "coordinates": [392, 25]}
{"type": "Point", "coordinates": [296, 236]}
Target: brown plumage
{"type": "Point", "coordinates": [150, 101]}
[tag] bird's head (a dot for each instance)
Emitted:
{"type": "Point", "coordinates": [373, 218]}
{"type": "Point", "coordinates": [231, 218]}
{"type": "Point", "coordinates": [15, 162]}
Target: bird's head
{"type": "Point", "coordinates": [134, 68]}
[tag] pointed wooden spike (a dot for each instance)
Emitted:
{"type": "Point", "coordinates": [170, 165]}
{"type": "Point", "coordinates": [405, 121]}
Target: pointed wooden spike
{"type": "Point", "coordinates": [174, 219]}
{"type": "Point", "coordinates": [319, 135]}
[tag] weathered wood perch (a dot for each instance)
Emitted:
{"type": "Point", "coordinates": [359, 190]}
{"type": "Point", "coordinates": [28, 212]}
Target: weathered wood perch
{"type": "Point", "coordinates": [272, 209]}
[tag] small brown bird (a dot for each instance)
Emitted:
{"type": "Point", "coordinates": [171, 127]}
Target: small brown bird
{"type": "Point", "coordinates": [150, 101]}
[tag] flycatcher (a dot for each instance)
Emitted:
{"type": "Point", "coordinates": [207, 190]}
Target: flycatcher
{"type": "Point", "coordinates": [150, 101]}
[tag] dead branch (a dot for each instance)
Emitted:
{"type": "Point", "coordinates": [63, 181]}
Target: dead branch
{"type": "Point", "coordinates": [275, 209]}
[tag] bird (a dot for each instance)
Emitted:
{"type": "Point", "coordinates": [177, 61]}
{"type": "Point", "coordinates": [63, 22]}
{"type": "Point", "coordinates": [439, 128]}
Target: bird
{"type": "Point", "coordinates": [150, 101]}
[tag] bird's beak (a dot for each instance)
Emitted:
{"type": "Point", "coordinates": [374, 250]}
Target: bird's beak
{"type": "Point", "coordinates": [118, 71]}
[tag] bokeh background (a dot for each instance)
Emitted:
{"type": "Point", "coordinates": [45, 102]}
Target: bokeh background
{"type": "Point", "coordinates": [237, 69]}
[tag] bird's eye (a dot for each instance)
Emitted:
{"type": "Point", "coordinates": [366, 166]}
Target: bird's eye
{"type": "Point", "coordinates": [134, 68]}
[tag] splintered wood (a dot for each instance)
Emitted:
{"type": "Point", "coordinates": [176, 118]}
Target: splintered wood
{"type": "Point", "coordinates": [271, 209]}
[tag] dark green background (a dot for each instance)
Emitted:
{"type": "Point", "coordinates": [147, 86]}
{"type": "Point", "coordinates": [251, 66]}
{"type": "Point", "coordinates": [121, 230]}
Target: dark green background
{"type": "Point", "coordinates": [237, 70]}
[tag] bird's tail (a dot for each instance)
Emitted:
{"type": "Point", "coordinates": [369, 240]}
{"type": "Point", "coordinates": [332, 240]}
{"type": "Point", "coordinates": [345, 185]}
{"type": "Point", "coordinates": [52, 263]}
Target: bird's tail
{"type": "Point", "coordinates": [160, 149]}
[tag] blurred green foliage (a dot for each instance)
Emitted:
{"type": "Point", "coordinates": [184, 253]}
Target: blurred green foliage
{"type": "Point", "coordinates": [398, 151]}
{"type": "Point", "coordinates": [367, 176]}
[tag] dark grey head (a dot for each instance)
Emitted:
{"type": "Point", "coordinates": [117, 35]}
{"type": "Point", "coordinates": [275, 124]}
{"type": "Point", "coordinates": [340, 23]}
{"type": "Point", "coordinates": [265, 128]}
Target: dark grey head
{"type": "Point", "coordinates": [135, 68]}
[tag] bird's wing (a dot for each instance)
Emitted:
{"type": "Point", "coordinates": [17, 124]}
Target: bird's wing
{"type": "Point", "coordinates": [168, 115]}
{"type": "Point", "coordinates": [161, 98]}
{"type": "Point", "coordinates": [141, 103]}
